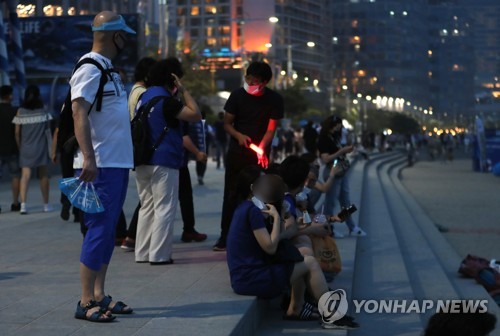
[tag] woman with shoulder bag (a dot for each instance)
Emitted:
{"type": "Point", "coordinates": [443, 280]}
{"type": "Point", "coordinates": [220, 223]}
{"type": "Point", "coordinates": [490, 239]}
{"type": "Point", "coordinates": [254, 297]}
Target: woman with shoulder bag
{"type": "Point", "coordinates": [333, 153]}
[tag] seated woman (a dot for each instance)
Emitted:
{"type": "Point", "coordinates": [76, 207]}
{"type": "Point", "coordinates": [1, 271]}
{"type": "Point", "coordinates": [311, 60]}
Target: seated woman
{"type": "Point", "coordinates": [249, 245]}
{"type": "Point", "coordinates": [295, 173]}
{"type": "Point", "coordinates": [316, 189]}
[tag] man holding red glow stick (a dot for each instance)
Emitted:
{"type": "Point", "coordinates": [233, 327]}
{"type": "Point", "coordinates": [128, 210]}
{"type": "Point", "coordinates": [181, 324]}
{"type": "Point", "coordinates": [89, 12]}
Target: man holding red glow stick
{"type": "Point", "coordinates": [252, 115]}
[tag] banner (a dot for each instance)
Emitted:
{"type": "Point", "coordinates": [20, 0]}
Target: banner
{"type": "Point", "coordinates": [54, 44]}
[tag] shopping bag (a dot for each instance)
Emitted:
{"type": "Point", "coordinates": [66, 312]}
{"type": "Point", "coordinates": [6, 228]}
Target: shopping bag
{"type": "Point", "coordinates": [81, 195]}
{"type": "Point", "coordinates": [327, 254]}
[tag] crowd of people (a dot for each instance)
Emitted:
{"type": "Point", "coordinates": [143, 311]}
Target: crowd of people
{"type": "Point", "coordinates": [272, 187]}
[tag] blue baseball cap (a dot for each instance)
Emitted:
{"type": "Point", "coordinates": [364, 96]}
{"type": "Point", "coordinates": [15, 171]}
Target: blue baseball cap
{"type": "Point", "coordinates": [115, 25]}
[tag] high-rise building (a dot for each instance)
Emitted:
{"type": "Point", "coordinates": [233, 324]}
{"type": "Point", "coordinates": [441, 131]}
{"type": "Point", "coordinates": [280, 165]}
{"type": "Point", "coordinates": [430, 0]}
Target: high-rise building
{"type": "Point", "coordinates": [485, 25]}
{"type": "Point", "coordinates": [293, 35]}
{"type": "Point", "coordinates": [380, 48]}
{"type": "Point", "coordinates": [451, 61]}
{"type": "Point", "coordinates": [420, 51]}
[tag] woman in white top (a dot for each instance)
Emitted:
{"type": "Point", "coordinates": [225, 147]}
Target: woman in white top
{"type": "Point", "coordinates": [32, 136]}
{"type": "Point", "coordinates": [140, 78]}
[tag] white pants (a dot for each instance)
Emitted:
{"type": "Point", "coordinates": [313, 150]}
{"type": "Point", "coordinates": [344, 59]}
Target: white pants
{"type": "Point", "coordinates": [158, 189]}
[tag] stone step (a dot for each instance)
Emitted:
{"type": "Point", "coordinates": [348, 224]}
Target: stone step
{"type": "Point", "coordinates": [446, 259]}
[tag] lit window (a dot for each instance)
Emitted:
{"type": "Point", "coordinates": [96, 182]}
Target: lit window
{"type": "Point", "coordinates": [211, 9]}
{"type": "Point", "coordinates": [195, 10]}
{"type": "Point", "coordinates": [429, 52]}
{"type": "Point", "coordinates": [25, 10]}
{"type": "Point", "coordinates": [355, 40]}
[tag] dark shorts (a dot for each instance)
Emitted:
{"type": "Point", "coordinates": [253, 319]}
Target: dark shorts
{"type": "Point", "coordinates": [12, 162]}
{"type": "Point", "coordinates": [266, 283]}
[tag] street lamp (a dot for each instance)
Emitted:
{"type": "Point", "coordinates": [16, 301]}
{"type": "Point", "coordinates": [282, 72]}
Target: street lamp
{"type": "Point", "coordinates": [311, 44]}
{"type": "Point", "coordinates": [273, 19]}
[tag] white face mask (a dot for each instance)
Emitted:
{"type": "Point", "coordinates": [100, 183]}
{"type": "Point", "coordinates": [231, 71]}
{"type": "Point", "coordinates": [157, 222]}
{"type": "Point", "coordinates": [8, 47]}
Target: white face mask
{"type": "Point", "coordinates": [302, 196]}
{"type": "Point", "coordinates": [254, 90]}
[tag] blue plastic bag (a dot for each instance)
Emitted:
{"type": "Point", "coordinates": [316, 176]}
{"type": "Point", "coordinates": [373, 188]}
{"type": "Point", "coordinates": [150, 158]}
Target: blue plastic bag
{"type": "Point", "coordinates": [81, 194]}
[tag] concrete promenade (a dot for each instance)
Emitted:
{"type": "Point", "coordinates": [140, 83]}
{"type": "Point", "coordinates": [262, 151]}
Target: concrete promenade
{"type": "Point", "coordinates": [404, 256]}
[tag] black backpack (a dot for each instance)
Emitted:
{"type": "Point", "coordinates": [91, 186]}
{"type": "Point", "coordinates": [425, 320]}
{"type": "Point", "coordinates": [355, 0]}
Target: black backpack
{"type": "Point", "coordinates": [143, 151]}
{"type": "Point", "coordinates": [66, 139]}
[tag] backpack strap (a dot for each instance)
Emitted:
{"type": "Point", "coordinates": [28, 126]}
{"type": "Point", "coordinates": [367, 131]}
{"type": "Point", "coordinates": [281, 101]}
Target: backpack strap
{"type": "Point", "coordinates": [146, 108]}
{"type": "Point", "coordinates": [102, 81]}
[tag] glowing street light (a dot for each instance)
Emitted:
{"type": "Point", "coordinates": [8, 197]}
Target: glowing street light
{"type": "Point", "coordinates": [311, 44]}
{"type": "Point", "coordinates": [273, 19]}
{"type": "Point", "coordinates": [268, 45]}
{"type": "Point", "coordinates": [344, 87]}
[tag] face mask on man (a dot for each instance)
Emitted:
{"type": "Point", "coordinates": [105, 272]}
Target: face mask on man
{"type": "Point", "coordinates": [254, 90]}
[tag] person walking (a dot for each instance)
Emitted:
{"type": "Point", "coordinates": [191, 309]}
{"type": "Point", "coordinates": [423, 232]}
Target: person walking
{"type": "Point", "coordinates": [252, 114]}
{"type": "Point", "coordinates": [9, 153]}
{"type": "Point", "coordinates": [32, 137]}
{"type": "Point", "coordinates": [199, 135]}
{"type": "Point", "coordinates": [186, 202]}
{"type": "Point", "coordinates": [158, 179]}
{"type": "Point", "coordinates": [104, 158]}
{"type": "Point", "coordinates": [220, 141]}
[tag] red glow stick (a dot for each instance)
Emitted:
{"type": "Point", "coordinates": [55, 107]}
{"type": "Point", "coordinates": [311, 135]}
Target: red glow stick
{"type": "Point", "coordinates": [256, 149]}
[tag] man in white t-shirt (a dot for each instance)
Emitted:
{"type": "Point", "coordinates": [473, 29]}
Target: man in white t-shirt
{"type": "Point", "coordinates": [104, 158]}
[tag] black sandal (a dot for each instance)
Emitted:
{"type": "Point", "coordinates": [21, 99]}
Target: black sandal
{"type": "Point", "coordinates": [97, 316]}
{"type": "Point", "coordinates": [119, 307]}
{"type": "Point", "coordinates": [307, 313]}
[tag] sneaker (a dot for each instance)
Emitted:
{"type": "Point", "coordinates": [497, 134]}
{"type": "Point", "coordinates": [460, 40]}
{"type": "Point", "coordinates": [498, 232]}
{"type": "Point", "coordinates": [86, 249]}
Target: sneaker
{"type": "Point", "coordinates": [345, 323]}
{"type": "Point", "coordinates": [47, 208]}
{"type": "Point", "coordinates": [337, 234]}
{"type": "Point", "coordinates": [128, 245]}
{"type": "Point", "coordinates": [65, 213]}
{"type": "Point", "coordinates": [24, 209]}
{"type": "Point", "coordinates": [357, 232]}
{"type": "Point", "coordinates": [15, 207]}
{"type": "Point", "coordinates": [188, 237]}
{"type": "Point", "coordinates": [220, 245]}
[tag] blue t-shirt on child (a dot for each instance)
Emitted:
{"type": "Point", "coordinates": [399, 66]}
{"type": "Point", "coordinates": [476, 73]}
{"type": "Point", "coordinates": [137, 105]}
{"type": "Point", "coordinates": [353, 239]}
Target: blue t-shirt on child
{"type": "Point", "coordinates": [249, 271]}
